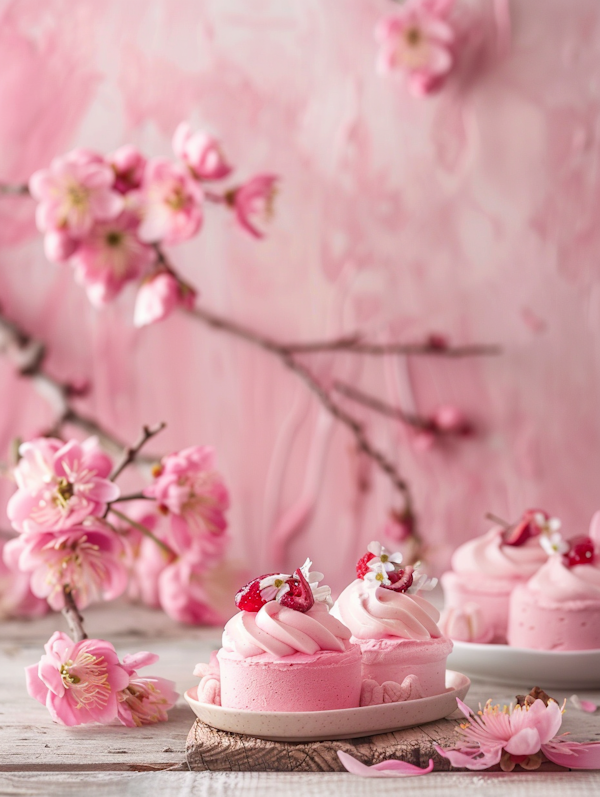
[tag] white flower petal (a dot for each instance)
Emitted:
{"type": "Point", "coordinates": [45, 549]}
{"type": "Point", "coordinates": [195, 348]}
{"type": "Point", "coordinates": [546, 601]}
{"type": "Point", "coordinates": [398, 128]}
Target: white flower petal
{"type": "Point", "coordinates": [375, 548]}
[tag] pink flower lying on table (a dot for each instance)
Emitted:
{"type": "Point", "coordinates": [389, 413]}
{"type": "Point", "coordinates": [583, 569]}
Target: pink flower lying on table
{"type": "Point", "coordinates": [78, 682]}
{"type": "Point", "coordinates": [60, 484]}
{"type": "Point", "coordinates": [159, 296]}
{"type": "Point", "coordinates": [201, 152]}
{"type": "Point", "coordinates": [145, 700]}
{"type": "Point", "coordinates": [75, 192]}
{"type": "Point", "coordinates": [170, 202]}
{"type": "Point", "coordinates": [518, 736]}
{"type": "Point", "coordinates": [89, 559]}
{"type": "Point", "coordinates": [418, 41]}
{"type": "Point", "coordinates": [253, 203]}
{"type": "Point", "coordinates": [110, 256]}
{"type": "Point", "coordinates": [189, 489]}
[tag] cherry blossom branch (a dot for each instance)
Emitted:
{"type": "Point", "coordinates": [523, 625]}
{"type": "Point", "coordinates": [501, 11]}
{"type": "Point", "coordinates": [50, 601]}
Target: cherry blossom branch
{"type": "Point", "coordinates": [132, 497]}
{"type": "Point", "coordinates": [72, 616]}
{"type": "Point", "coordinates": [131, 452]}
{"type": "Point", "coordinates": [379, 406]}
{"type": "Point", "coordinates": [143, 529]}
{"type": "Point", "coordinates": [21, 189]}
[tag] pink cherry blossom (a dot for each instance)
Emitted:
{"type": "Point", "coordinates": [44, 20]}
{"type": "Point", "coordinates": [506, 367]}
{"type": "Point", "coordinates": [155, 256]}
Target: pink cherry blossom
{"type": "Point", "coordinates": [16, 598]}
{"type": "Point", "coordinates": [75, 192]}
{"type": "Point", "coordinates": [201, 152]}
{"type": "Point", "coordinates": [89, 559]}
{"type": "Point", "coordinates": [193, 493]}
{"type": "Point", "coordinates": [159, 296]}
{"type": "Point", "coordinates": [78, 682]}
{"type": "Point", "coordinates": [128, 164]}
{"type": "Point", "coordinates": [110, 256]}
{"type": "Point", "coordinates": [59, 246]}
{"type": "Point", "coordinates": [182, 594]}
{"type": "Point", "coordinates": [170, 202]}
{"type": "Point", "coordinates": [450, 419]}
{"type": "Point", "coordinates": [59, 484]}
{"type": "Point", "coordinates": [145, 700]}
{"type": "Point", "coordinates": [253, 203]}
{"type": "Point", "coordinates": [418, 41]}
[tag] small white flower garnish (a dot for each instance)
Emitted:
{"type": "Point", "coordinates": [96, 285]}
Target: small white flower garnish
{"type": "Point", "coordinates": [422, 583]}
{"type": "Point", "coordinates": [274, 587]}
{"type": "Point", "coordinates": [547, 525]}
{"type": "Point", "coordinates": [383, 558]}
{"type": "Point", "coordinates": [552, 541]}
{"type": "Point", "coordinates": [320, 593]}
{"type": "Point", "coordinates": [377, 576]}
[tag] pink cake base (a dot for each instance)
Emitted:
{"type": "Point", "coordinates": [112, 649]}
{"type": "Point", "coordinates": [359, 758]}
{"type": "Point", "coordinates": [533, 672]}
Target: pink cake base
{"type": "Point", "coordinates": [392, 659]}
{"type": "Point", "coordinates": [572, 625]}
{"type": "Point", "coordinates": [325, 681]}
{"type": "Point", "coordinates": [491, 594]}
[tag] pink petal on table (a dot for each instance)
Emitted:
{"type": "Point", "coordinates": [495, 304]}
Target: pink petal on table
{"type": "Point", "coordinates": [574, 755]}
{"type": "Point", "coordinates": [386, 769]}
{"type": "Point", "coordinates": [583, 705]}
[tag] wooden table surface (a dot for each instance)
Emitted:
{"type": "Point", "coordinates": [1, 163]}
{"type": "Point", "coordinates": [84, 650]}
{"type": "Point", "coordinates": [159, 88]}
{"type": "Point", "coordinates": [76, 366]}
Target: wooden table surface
{"type": "Point", "coordinates": [38, 757]}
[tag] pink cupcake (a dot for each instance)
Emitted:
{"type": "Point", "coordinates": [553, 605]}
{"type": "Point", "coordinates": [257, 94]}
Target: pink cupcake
{"type": "Point", "coordinates": [403, 651]}
{"type": "Point", "coordinates": [559, 607]}
{"type": "Point", "coordinates": [284, 651]}
{"type": "Point", "coordinates": [485, 572]}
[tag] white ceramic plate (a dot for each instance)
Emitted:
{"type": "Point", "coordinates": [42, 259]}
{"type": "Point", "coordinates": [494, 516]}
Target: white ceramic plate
{"type": "Point", "coordinates": [310, 726]}
{"type": "Point", "coordinates": [526, 668]}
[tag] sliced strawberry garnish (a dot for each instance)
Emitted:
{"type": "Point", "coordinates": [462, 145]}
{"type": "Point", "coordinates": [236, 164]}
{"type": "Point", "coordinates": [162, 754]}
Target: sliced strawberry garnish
{"type": "Point", "coordinates": [401, 579]}
{"type": "Point", "coordinates": [300, 596]}
{"type": "Point", "coordinates": [248, 598]}
{"type": "Point", "coordinates": [362, 566]}
{"type": "Point", "coordinates": [581, 552]}
{"type": "Point", "coordinates": [526, 528]}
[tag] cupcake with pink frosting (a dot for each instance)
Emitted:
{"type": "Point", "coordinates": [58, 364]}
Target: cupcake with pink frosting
{"type": "Point", "coordinates": [559, 607]}
{"type": "Point", "coordinates": [403, 651]}
{"type": "Point", "coordinates": [284, 651]}
{"type": "Point", "coordinates": [486, 570]}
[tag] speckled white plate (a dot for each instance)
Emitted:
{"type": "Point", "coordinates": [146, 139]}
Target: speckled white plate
{"type": "Point", "coordinates": [311, 726]}
{"type": "Point", "coordinates": [577, 669]}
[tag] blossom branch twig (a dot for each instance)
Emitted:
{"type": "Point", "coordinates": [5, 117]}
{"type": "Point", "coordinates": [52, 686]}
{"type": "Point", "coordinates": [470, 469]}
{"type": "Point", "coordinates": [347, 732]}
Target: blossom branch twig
{"type": "Point", "coordinates": [379, 406]}
{"type": "Point", "coordinates": [72, 616]}
{"type": "Point", "coordinates": [143, 529]}
{"type": "Point", "coordinates": [131, 452]}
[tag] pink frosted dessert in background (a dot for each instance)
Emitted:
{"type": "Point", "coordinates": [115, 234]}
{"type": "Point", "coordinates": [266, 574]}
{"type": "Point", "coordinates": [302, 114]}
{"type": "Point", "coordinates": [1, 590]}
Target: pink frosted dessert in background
{"type": "Point", "coordinates": [485, 572]}
{"type": "Point", "coordinates": [559, 607]}
{"type": "Point", "coordinates": [403, 651]}
{"type": "Point", "coordinates": [284, 651]}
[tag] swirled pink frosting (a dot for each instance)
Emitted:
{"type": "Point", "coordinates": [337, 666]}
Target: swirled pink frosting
{"type": "Point", "coordinates": [554, 583]}
{"type": "Point", "coordinates": [487, 555]}
{"type": "Point", "coordinates": [280, 631]}
{"type": "Point", "coordinates": [380, 613]}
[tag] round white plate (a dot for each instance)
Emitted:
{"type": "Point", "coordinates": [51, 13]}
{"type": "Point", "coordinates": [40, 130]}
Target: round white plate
{"type": "Point", "coordinates": [526, 668]}
{"type": "Point", "coordinates": [311, 726]}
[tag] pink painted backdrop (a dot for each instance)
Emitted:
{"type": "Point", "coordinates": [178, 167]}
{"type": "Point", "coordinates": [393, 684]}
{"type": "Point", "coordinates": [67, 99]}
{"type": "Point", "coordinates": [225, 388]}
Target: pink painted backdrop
{"type": "Point", "coordinates": [475, 212]}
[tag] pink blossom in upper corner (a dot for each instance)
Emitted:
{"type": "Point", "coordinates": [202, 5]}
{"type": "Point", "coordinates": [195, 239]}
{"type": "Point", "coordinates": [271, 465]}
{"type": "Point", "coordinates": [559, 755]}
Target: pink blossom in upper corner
{"type": "Point", "coordinates": [78, 682]}
{"type": "Point", "coordinates": [110, 256]}
{"type": "Point", "coordinates": [183, 596]}
{"type": "Point", "coordinates": [145, 700]}
{"type": "Point", "coordinates": [75, 192]}
{"type": "Point", "coordinates": [518, 736]}
{"type": "Point", "coordinates": [87, 558]}
{"type": "Point", "coordinates": [159, 296]}
{"type": "Point", "coordinates": [201, 152]}
{"type": "Point", "coordinates": [128, 164]}
{"type": "Point", "coordinates": [189, 489]}
{"type": "Point", "coordinates": [16, 598]}
{"type": "Point", "coordinates": [59, 484]}
{"type": "Point", "coordinates": [253, 203]}
{"type": "Point", "coordinates": [418, 41]}
{"type": "Point", "coordinates": [170, 203]}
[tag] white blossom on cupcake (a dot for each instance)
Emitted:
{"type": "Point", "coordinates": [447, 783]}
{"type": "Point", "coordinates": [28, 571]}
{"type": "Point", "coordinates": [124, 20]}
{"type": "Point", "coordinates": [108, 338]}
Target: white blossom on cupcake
{"type": "Point", "coordinates": [551, 539]}
{"type": "Point", "coordinates": [320, 593]}
{"type": "Point", "coordinates": [273, 587]}
{"type": "Point", "coordinates": [383, 558]}
{"type": "Point", "coordinates": [421, 583]}
{"type": "Point", "coordinates": [377, 575]}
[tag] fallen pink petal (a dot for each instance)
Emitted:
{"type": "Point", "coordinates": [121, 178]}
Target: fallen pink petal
{"type": "Point", "coordinates": [386, 769]}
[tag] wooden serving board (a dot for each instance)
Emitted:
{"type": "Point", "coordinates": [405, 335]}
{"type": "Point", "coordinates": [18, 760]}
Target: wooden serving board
{"type": "Point", "coordinates": [219, 751]}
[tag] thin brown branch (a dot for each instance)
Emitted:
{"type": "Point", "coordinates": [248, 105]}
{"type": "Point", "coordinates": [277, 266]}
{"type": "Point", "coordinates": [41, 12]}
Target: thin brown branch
{"type": "Point", "coordinates": [131, 452]}
{"type": "Point", "coordinates": [381, 407]}
{"type": "Point", "coordinates": [14, 189]}
{"type": "Point", "coordinates": [72, 616]}
{"type": "Point", "coordinates": [132, 497]}
{"type": "Point", "coordinates": [500, 521]}
{"type": "Point", "coordinates": [144, 530]}
{"type": "Point", "coordinates": [354, 345]}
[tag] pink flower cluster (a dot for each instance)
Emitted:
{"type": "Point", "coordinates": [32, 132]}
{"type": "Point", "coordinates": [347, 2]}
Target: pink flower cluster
{"type": "Point", "coordinates": [84, 682]}
{"type": "Point", "coordinates": [105, 216]}
{"type": "Point", "coordinates": [418, 41]}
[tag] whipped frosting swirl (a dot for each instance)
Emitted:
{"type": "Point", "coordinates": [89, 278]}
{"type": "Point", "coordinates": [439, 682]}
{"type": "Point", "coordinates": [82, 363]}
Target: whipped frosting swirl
{"type": "Point", "coordinates": [380, 613]}
{"type": "Point", "coordinates": [281, 631]}
{"type": "Point", "coordinates": [488, 555]}
{"type": "Point", "coordinates": [555, 583]}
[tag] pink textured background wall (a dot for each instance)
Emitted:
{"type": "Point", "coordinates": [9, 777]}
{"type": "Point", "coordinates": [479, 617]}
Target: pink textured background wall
{"type": "Point", "coordinates": [475, 212]}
